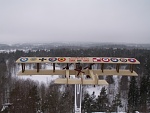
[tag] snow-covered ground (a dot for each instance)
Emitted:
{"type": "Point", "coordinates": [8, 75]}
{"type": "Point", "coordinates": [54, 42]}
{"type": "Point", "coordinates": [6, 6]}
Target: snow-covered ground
{"type": "Point", "coordinates": [38, 78]}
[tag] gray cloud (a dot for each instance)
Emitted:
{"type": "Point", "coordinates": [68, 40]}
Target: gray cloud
{"type": "Point", "coordinates": [75, 20]}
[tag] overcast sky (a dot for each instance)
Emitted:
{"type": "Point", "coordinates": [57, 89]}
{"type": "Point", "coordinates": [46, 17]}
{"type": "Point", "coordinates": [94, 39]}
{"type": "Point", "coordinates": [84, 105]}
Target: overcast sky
{"type": "Point", "coordinates": [74, 20]}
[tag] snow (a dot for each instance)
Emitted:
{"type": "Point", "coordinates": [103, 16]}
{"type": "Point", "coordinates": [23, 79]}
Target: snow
{"type": "Point", "coordinates": [97, 89]}
{"type": "Point", "coordinates": [37, 78]}
{"type": "Point", "coordinates": [4, 107]}
{"type": "Point", "coordinates": [89, 88]}
{"type": "Point", "coordinates": [41, 78]}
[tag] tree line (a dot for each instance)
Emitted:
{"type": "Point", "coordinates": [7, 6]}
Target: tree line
{"type": "Point", "coordinates": [29, 96]}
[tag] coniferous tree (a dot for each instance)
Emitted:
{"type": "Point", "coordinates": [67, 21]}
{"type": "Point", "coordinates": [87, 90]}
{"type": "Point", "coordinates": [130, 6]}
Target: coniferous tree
{"type": "Point", "coordinates": [42, 96]}
{"type": "Point", "coordinates": [53, 98]}
{"type": "Point", "coordinates": [133, 95]}
{"type": "Point", "coordinates": [144, 93]}
{"type": "Point", "coordinates": [148, 100]}
{"type": "Point", "coordinates": [66, 103]}
{"type": "Point", "coordinates": [124, 83]}
{"type": "Point", "coordinates": [116, 103]}
{"type": "Point", "coordinates": [33, 99]}
{"type": "Point", "coordinates": [17, 98]}
{"type": "Point", "coordinates": [101, 102]}
{"type": "Point", "coordinates": [88, 102]}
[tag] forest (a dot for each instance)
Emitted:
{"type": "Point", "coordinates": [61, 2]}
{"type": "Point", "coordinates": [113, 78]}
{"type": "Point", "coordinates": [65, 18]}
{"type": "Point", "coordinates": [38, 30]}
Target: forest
{"type": "Point", "coordinates": [27, 96]}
